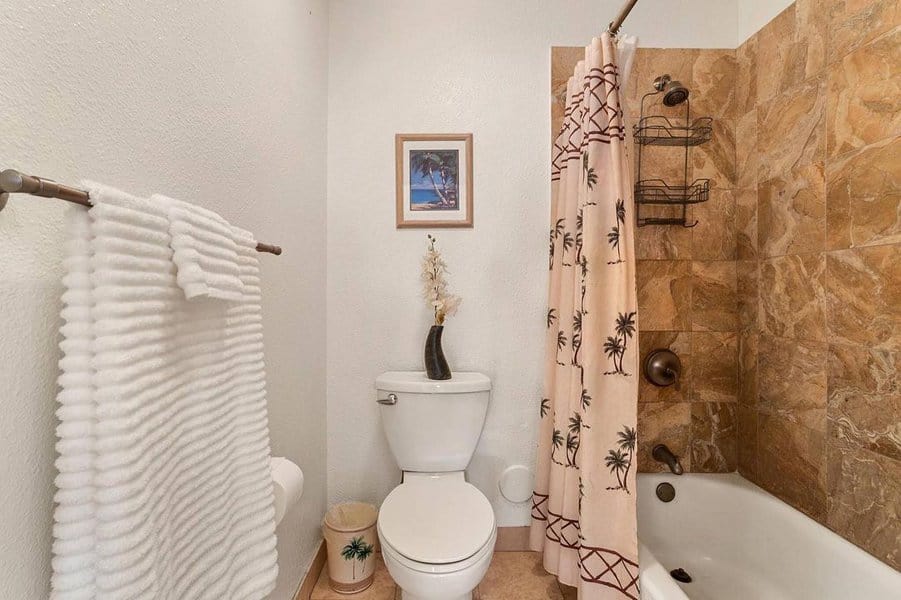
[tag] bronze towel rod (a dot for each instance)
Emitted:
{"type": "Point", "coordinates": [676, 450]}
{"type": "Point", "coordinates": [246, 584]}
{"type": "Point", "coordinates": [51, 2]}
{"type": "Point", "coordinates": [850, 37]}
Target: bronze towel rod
{"type": "Point", "coordinates": [14, 182]}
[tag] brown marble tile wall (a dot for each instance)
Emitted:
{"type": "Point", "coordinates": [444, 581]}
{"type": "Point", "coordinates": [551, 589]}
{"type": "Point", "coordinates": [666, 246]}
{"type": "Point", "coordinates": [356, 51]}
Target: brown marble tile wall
{"type": "Point", "coordinates": [696, 314]}
{"type": "Point", "coordinates": [687, 278]}
{"type": "Point", "coordinates": [818, 228]}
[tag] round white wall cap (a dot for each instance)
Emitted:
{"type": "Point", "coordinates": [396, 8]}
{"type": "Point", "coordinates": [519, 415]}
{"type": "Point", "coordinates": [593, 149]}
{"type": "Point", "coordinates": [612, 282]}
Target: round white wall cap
{"type": "Point", "coordinates": [516, 483]}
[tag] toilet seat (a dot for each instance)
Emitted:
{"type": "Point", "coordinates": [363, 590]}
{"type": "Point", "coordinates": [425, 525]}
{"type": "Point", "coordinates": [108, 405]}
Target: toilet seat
{"type": "Point", "coordinates": [436, 525]}
{"type": "Point", "coordinates": [446, 569]}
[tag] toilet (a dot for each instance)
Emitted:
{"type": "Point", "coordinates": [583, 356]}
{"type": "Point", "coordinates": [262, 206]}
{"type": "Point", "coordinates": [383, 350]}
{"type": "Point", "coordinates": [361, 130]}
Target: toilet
{"type": "Point", "coordinates": [437, 532]}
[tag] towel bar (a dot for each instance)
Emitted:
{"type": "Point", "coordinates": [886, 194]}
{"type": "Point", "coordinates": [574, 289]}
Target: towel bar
{"type": "Point", "coordinates": [14, 182]}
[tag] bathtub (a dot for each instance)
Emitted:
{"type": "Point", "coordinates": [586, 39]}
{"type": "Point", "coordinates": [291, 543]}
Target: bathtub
{"type": "Point", "coordinates": [740, 543]}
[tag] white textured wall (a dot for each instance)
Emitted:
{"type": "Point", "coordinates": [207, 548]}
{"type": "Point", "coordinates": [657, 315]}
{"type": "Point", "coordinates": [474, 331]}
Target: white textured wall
{"type": "Point", "coordinates": [222, 103]}
{"type": "Point", "coordinates": [463, 66]}
{"type": "Point", "coordinates": [754, 14]}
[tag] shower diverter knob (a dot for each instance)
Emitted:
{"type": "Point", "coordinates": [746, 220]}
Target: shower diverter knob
{"type": "Point", "coordinates": [662, 367]}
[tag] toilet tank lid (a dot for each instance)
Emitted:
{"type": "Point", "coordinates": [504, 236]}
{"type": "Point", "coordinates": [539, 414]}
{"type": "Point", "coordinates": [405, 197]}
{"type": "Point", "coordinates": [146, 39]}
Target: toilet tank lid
{"type": "Point", "coordinates": [417, 382]}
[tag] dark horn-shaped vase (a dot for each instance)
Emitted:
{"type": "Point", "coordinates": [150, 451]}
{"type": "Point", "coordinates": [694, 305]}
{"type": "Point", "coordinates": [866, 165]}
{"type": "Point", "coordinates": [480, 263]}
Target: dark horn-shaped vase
{"type": "Point", "coordinates": [435, 363]}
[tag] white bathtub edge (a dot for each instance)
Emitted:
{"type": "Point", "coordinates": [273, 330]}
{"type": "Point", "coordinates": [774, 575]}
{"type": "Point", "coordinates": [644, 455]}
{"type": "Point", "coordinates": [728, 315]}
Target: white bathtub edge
{"type": "Point", "coordinates": [726, 518]}
{"type": "Point", "coordinates": [654, 580]}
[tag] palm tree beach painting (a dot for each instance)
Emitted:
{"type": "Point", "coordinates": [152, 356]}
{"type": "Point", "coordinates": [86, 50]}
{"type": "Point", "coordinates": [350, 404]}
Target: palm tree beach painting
{"type": "Point", "coordinates": [434, 180]}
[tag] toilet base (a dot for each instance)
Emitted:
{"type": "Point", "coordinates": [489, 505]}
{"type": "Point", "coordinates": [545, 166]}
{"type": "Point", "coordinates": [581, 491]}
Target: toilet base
{"type": "Point", "coordinates": [405, 596]}
{"type": "Point", "coordinates": [455, 581]}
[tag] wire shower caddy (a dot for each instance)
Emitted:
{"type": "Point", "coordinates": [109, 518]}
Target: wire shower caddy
{"type": "Point", "coordinates": [659, 130]}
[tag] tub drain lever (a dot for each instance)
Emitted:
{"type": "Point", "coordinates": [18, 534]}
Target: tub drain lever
{"type": "Point", "coordinates": [680, 575]}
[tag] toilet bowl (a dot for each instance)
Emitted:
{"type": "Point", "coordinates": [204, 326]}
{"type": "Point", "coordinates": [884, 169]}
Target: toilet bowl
{"type": "Point", "coordinates": [437, 534]}
{"type": "Point", "coordinates": [436, 530]}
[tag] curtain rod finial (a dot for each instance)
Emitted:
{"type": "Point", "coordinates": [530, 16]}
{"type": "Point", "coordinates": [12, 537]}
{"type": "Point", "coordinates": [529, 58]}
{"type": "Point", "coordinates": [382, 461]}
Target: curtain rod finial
{"type": "Point", "coordinates": [11, 180]}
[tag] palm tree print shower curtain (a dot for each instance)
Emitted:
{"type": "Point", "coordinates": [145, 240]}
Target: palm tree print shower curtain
{"type": "Point", "coordinates": [583, 507]}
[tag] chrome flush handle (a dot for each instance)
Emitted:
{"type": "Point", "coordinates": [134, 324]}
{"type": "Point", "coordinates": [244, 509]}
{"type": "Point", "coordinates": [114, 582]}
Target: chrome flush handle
{"type": "Point", "coordinates": [390, 400]}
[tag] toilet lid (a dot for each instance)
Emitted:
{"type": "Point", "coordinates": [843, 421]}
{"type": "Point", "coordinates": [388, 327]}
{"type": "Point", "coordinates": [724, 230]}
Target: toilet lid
{"type": "Point", "coordinates": [436, 521]}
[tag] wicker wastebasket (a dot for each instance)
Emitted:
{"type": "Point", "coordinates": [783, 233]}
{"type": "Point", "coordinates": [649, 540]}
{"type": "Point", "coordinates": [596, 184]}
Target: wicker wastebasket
{"type": "Point", "coordinates": [351, 542]}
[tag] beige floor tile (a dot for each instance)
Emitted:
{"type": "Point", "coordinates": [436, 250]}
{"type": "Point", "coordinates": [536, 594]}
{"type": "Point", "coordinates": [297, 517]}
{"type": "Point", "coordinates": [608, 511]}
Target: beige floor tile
{"type": "Point", "coordinates": [382, 587]}
{"type": "Point", "coordinates": [518, 575]}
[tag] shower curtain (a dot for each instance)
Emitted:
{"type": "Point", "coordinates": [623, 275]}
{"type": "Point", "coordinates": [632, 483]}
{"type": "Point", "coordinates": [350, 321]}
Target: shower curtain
{"type": "Point", "coordinates": [583, 506]}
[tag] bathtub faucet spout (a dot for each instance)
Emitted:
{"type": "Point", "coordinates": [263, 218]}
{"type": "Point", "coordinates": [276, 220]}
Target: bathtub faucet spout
{"type": "Point", "coordinates": [663, 454]}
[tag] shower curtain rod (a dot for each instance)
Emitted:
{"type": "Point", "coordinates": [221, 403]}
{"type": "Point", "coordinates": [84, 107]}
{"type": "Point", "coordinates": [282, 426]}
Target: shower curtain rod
{"type": "Point", "coordinates": [14, 182]}
{"type": "Point", "coordinates": [623, 13]}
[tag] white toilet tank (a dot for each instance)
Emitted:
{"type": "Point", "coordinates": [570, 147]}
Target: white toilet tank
{"type": "Point", "coordinates": [432, 426]}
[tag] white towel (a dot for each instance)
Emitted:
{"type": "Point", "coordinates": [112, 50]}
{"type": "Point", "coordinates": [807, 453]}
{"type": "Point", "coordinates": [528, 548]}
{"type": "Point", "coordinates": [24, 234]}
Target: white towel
{"type": "Point", "coordinates": [165, 491]}
{"type": "Point", "coordinates": [204, 251]}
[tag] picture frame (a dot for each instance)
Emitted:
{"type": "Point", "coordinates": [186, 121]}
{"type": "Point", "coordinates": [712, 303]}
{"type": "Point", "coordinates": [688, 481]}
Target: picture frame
{"type": "Point", "coordinates": [434, 180]}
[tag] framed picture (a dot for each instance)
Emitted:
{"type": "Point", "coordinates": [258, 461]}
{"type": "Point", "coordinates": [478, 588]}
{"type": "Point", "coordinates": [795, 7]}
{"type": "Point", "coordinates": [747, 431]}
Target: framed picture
{"type": "Point", "coordinates": [434, 179]}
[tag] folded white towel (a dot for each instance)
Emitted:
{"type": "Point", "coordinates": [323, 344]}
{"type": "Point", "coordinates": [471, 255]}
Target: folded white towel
{"type": "Point", "coordinates": [204, 251]}
{"type": "Point", "coordinates": [164, 486]}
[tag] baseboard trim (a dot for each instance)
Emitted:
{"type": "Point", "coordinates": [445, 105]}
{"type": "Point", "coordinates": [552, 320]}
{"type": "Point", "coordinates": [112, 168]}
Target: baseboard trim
{"type": "Point", "coordinates": [512, 539]}
{"type": "Point", "coordinates": [309, 581]}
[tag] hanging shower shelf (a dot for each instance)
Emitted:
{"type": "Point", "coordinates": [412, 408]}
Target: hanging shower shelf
{"type": "Point", "coordinates": [657, 191]}
{"type": "Point", "coordinates": [657, 130]}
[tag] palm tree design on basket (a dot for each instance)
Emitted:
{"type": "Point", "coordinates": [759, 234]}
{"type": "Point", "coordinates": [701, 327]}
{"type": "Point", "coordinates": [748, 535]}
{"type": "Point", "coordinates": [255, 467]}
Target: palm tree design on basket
{"type": "Point", "coordinates": [357, 550]}
{"type": "Point", "coordinates": [619, 460]}
{"type": "Point", "coordinates": [615, 346]}
{"type": "Point", "coordinates": [614, 238]}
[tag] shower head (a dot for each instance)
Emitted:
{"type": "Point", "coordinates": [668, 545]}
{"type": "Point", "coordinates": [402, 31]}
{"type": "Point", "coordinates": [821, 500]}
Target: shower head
{"type": "Point", "coordinates": [674, 92]}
